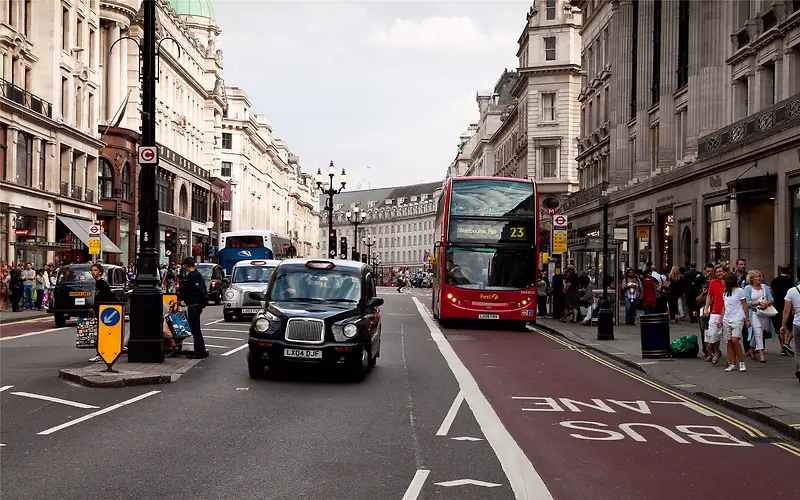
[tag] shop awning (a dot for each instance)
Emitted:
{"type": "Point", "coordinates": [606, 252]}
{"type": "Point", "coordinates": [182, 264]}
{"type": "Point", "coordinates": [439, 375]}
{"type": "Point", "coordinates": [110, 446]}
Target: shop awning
{"type": "Point", "coordinates": [80, 228]}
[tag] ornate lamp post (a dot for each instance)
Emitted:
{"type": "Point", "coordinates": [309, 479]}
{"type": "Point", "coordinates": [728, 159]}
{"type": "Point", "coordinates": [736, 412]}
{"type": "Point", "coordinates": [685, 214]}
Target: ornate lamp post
{"type": "Point", "coordinates": [356, 217]}
{"type": "Point", "coordinates": [330, 192]}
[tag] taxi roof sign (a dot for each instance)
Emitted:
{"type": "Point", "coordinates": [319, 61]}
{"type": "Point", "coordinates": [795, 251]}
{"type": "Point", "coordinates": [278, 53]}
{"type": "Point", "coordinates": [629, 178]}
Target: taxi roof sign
{"type": "Point", "coordinates": [320, 264]}
{"type": "Point", "coordinates": [258, 262]}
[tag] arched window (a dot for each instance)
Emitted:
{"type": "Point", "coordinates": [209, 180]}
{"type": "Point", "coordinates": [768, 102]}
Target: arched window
{"type": "Point", "coordinates": [106, 179]}
{"type": "Point", "coordinates": [183, 202]}
{"type": "Point", "coordinates": [126, 182]}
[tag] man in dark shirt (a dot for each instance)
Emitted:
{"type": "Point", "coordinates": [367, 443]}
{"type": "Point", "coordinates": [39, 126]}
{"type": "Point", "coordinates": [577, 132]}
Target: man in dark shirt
{"type": "Point", "coordinates": [780, 285]}
{"type": "Point", "coordinates": [693, 283]}
{"type": "Point", "coordinates": [193, 294]}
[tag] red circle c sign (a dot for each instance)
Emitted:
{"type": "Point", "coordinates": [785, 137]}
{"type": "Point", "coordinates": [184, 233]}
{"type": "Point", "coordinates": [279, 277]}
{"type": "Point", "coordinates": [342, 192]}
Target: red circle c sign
{"type": "Point", "coordinates": [148, 154]}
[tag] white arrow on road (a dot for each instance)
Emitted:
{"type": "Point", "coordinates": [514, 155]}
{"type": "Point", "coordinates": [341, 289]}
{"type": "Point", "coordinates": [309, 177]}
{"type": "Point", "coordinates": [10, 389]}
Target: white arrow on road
{"type": "Point", "coordinates": [466, 438]}
{"type": "Point", "coordinates": [462, 482]}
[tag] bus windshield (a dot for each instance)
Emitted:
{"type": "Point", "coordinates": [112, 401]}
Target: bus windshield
{"type": "Point", "coordinates": [244, 241]}
{"type": "Point", "coordinates": [490, 268]}
{"type": "Point", "coordinates": [492, 198]}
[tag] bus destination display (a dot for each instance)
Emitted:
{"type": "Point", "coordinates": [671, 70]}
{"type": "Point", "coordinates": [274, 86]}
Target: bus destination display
{"type": "Point", "coordinates": [498, 231]}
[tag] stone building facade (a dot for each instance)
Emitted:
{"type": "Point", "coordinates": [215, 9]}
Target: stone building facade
{"type": "Point", "coordinates": [698, 155]}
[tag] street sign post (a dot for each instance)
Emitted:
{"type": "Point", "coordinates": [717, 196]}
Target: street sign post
{"type": "Point", "coordinates": [182, 241]}
{"type": "Point", "coordinates": [559, 233]}
{"type": "Point", "coordinates": [110, 334]}
{"type": "Point", "coordinates": [560, 220]}
{"type": "Point", "coordinates": [148, 155]}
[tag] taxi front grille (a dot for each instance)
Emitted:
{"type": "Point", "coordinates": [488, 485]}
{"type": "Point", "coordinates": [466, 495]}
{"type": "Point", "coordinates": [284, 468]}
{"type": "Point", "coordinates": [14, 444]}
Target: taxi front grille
{"type": "Point", "coordinates": [305, 330]}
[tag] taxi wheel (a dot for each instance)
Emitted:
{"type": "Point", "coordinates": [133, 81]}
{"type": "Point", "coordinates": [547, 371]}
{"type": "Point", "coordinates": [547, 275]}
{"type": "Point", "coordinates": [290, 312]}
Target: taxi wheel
{"type": "Point", "coordinates": [256, 369]}
{"type": "Point", "coordinates": [61, 320]}
{"type": "Point", "coordinates": [228, 316]}
{"type": "Point", "coordinates": [358, 370]}
{"type": "Point", "coordinates": [218, 299]}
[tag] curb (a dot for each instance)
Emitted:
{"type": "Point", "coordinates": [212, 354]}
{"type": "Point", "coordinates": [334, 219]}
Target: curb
{"type": "Point", "coordinates": [8, 321]}
{"type": "Point", "coordinates": [761, 412]}
{"type": "Point", "coordinates": [98, 379]}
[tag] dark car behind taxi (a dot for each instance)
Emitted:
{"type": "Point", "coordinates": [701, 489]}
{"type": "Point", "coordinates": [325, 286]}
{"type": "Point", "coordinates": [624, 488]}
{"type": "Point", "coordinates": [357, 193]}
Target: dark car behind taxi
{"type": "Point", "coordinates": [73, 295]}
{"type": "Point", "coordinates": [319, 312]}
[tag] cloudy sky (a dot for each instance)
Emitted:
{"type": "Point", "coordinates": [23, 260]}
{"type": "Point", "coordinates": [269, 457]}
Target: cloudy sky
{"type": "Point", "coordinates": [379, 84]}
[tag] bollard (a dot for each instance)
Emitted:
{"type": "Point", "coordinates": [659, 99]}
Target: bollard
{"type": "Point", "coordinates": [655, 335]}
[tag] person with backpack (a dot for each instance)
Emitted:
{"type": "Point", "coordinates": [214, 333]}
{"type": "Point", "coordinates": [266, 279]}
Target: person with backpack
{"type": "Point", "coordinates": [194, 295]}
{"type": "Point", "coordinates": [632, 288]}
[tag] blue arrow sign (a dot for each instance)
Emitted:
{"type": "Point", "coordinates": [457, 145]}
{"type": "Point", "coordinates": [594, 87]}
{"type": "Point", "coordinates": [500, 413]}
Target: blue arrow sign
{"type": "Point", "coordinates": [110, 317]}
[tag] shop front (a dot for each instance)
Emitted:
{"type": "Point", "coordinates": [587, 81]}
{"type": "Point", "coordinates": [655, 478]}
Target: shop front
{"type": "Point", "coordinates": [75, 232]}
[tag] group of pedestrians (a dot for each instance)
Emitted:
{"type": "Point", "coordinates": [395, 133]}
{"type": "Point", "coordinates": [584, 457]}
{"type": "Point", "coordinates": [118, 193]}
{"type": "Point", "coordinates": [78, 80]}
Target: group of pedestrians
{"type": "Point", "coordinates": [23, 287]}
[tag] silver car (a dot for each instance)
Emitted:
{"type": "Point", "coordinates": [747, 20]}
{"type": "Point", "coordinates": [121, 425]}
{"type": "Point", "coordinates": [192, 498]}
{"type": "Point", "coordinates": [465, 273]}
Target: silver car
{"type": "Point", "coordinates": [247, 276]}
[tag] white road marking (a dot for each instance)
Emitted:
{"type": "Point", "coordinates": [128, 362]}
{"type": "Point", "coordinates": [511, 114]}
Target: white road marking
{"type": "Point", "coordinates": [31, 334]}
{"type": "Point", "coordinates": [233, 350]}
{"type": "Point", "coordinates": [226, 330]}
{"type": "Point", "coordinates": [1, 445]}
{"type": "Point", "coordinates": [53, 400]}
{"type": "Point", "coordinates": [213, 322]}
{"type": "Point", "coordinates": [466, 438]}
{"type": "Point", "coordinates": [416, 484]}
{"type": "Point", "coordinates": [97, 413]}
{"type": "Point", "coordinates": [525, 481]}
{"type": "Point", "coordinates": [210, 345]}
{"type": "Point", "coordinates": [5, 387]}
{"type": "Point", "coordinates": [451, 414]}
{"type": "Point", "coordinates": [221, 338]}
{"type": "Point", "coordinates": [462, 482]}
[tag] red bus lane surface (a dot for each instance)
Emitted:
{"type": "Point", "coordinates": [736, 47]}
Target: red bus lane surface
{"type": "Point", "coordinates": [592, 430]}
{"type": "Point", "coordinates": [23, 327]}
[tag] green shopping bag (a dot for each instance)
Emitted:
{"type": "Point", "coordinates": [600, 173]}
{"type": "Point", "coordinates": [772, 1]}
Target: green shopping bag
{"type": "Point", "coordinates": [685, 347]}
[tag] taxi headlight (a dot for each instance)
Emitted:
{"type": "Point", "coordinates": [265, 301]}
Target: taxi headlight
{"type": "Point", "coordinates": [230, 294]}
{"type": "Point", "coordinates": [350, 330]}
{"type": "Point", "coordinates": [261, 325]}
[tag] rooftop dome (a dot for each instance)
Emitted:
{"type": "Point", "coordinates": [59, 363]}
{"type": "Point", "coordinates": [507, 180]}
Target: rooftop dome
{"type": "Point", "coordinates": [199, 8]}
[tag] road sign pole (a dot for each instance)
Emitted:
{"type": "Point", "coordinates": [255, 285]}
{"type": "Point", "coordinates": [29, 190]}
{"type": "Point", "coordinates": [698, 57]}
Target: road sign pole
{"type": "Point", "coordinates": [147, 318]}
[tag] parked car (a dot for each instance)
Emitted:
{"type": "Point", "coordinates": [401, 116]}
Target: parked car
{"type": "Point", "coordinates": [246, 276]}
{"type": "Point", "coordinates": [73, 295]}
{"type": "Point", "coordinates": [322, 312]}
{"type": "Point", "coordinates": [214, 276]}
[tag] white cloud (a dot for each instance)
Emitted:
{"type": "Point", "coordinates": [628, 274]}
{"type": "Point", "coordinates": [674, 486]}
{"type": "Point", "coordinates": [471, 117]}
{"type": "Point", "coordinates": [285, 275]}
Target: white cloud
{"type": "Point", "coordinates": [459, 32]}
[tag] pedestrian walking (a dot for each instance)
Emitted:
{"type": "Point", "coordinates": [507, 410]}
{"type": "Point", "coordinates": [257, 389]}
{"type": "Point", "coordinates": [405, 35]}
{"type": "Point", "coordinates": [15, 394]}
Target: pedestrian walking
{"type": "Point", "coordinates": [792, 305]}
{"type": "Point", "coordinates": [674, 290]}
{"type": "Point", "coordinates": [632, 287]}
{"type": "Point", "coordinates": [38, 288]}
{"type": "Point", "coordinates": [759, 297]}
{"type": "Point", "coordinates": [780, 287]}
{"type": "Point", "coordinates": [713, 310]}
{"type": "Point", "coordinates": [542, 295]}
{"type": "Point", "coordinates": [5, 289]}
{"type": "Point", "coordinates": [28, 279]}
{"type": "Point", "coordinates": [734, 319]}
{"type": "Point", "coordinates": [692, 285]}
{"type": "Point", "coordinates": [193, 294]}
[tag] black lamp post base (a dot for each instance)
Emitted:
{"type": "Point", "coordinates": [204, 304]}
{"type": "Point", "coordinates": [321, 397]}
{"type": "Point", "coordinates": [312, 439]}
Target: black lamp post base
{"type": "Point", "coordinates": [605, 321]}
{"type": "Point", "coordinates": [146, 344]}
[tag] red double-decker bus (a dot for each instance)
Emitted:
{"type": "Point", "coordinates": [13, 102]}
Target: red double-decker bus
{"type": "Point", "coordinates": [485, 262]}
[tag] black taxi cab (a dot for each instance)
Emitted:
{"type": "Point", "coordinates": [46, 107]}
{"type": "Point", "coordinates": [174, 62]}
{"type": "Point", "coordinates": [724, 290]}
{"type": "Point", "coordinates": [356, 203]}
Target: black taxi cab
{"type": "Point", "coordinates": [321, 312]}
{"type": "Point", "coordinates": [73, 295]}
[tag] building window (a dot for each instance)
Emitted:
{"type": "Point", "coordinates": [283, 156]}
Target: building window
{"type": "Point", "coordinates": [27, 80]}
{"type": "Point", "coordinates": [65, 28]}
{"type": "Point", "coordinates": [91, 112]}
{"type": "Point", "coordinates": [78, 107]}
{"type": "Point", "coordinates": [199, 204]}
{"type": "Point", "coordinates": [606, 105]}
{"type": "Point", "coordinates": [655, 83]}
{"type": "Point", "coordinates": [632, 149]}
{"type": "Point", "coordinates": [24, 159]}
{"type": "Point", "coordinates": [79, 33]}
{"type": "Point", "coordinates": [10, 13]}
{"type": "Point", "coordinates": [226, 169]}
{"type": "Point", "coordinates": [634, 62]}
{"type": "Point", "coordinates": [683, 43]}
{"type": "Point", "coordinates": [550, 10]}
{"type": "Point", "coordinates": [549, 162]}
{"type": "Point", "coordinates": [741, 90]}
{"type": "Point", "coordinates": [165, 191]}
{"type": "Point", "coordinates": [43, 165]}
{"type": "Point", "coordinates": [92, 41]}
{"type": "Point", "coordinates": [654, 147]}
{"type": "Point", "coordinates": [126, 182]}
{"type": "Point", "coordinates": [768, 77]}
{"type": "Point", "coordinates": [64, 101]}
{"type": "Point", "coordinates": [227, 140]}
{"type": "Point", "coordinates": [719, 233]}
{"type": "Point", "coordinates": [26, 17]}
{"type": "Point", "coordinates": [550, 48]}
{"type": "Point", "coordinates": [105, 180]}
{"type": "Point", "coordinates": [549, 107]}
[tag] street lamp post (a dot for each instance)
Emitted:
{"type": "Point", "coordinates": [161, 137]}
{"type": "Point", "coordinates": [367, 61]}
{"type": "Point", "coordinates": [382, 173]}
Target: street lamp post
{"type": "Point", "coordinates": [368, 240]}
{"type": "Point", "coordinates": [356, 217]}
{"type": "Point", "coordinates": [605, 317]}
{"type": "Point", "coordinates": [145, 344]}
{"type": "Point", "coordinates": [330, 192]}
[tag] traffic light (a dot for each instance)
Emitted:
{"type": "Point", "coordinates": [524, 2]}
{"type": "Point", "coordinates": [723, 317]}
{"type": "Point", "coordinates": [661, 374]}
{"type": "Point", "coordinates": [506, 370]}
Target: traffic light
{"type": "Point", "coordinates": [171, 244]}
{"type": "Point", "coordinates": [332, 244]}
{"type": "Point", "coordinates": [354, 254]}
{"type": "Point", "coordinates": [343, 246]}
{"type": "Point", "coordinates": [364, 258]}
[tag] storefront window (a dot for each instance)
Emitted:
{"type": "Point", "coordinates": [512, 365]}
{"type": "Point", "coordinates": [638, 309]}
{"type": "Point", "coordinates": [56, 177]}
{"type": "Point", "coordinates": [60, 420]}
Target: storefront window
{"type": "Point", "coordinates": [665, 227]}
{"type": "Point", "coordinates": [124, 241]}
{"type": "Point", "coordinates": [719, 233]}
{"type": "Point", "coordinates": [642, 247]}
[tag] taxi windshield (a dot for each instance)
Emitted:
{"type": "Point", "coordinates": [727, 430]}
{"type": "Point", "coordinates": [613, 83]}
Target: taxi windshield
{"type": "Point", "coordinates": [252, 274]}
{"type": "Point", "coordinates": [75, 275]}
{"type": "Point", "coordinates": [303, 284]}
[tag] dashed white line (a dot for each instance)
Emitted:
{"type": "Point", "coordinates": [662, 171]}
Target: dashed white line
{"type": "Point", "coordinates": [412, 493]}
{"type": "Point", "coordinates": [525, 481]}
{"type": "Point", "coordinates": [233, 350]}
{"type": "Point", "coordinates": [97, 413]}
{"type": "Point", "coordinates": [221, 338]}
{"type": "Point", "coordinates": [32, 333]}
{"type": "Point", "coordinates": [466, 438]}
{"type": "Point", "coordinates": [54, 400]}
{"type": "Point", "coordinates": [451, 414]}
{"type": "Point", "coordinates": [462, 482]}
{"type": "Point", "coordinates": [5, 387]}
{"type": "Point", "coordinates": [210, 345]}
{"type": "Point", "coordinates": [213, 322]}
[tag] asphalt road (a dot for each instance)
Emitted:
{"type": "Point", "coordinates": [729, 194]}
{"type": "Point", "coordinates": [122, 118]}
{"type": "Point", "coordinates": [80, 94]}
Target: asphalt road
{"type": "Point", "coordinates": [486, 414]}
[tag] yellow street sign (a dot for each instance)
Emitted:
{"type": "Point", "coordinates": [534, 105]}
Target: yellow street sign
{"type": "Point", "coordinates": [110, 333]}
{"type": "Point", "coordinates": [94, 246]}
{"type": "Point", "coordinates": [170, 300]}
{"type": "Point", "coordinates": [559, 238]}
{"type": "Point", "coordinates": [559, 247]}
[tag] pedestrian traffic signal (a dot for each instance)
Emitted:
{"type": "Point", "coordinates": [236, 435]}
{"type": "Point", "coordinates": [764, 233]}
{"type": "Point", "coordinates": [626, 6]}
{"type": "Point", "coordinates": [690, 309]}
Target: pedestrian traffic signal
{"type": "Point", "coordinates": [343, 246]}
{"type": "Point", "coordinates": [332, 244]}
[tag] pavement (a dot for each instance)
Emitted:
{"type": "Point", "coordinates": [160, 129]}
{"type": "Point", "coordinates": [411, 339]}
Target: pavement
{"type": "Point", "coordinates": [467, 412]}
{"type": "Point", "coordinates": [28, 314]}
{"type": "Point", "coordinates": [768, 392]}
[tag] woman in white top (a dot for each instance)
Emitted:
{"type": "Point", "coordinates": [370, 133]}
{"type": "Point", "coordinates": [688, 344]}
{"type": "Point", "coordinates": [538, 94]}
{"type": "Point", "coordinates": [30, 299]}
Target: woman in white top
{"type": "Point", "coordinates": [733, 316]}
{"type": "Point", "coordinates": [759, 296]}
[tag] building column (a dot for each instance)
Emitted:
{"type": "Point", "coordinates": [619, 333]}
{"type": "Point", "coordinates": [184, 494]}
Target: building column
{"type": "Point", "coordinates": [621, 25]}
{"type": "Point", "coordinates": [50, 177]}
{"type": "Point", "coordinates": [695, 110]}
{"type": "Point", "coordinates": [667, 130]}
{"type": "Point", "coordinates": [113, 69]}
{"type": "Point", "coordinates": [644, 70]}
{"type": "Point", "coordinates": [11, 155]}
{"type": "Point", "coordinates": [753, 104]}
{"type": "Point", "coordinates": [790, 84]}
{"type": "Point", "coordinates": [91, 178]}
{"type": "Point", "coordinates": [36, 143]}
{"type": "Point", "coordinates": [50, 231]}
{"type": "Point", "coordinates": [714, 71]}
{"type": "Point", "coordinates": [12, 224]}
{"type": "Point", "coordinates": [123, 66]}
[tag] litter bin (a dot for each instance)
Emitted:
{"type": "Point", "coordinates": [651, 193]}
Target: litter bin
{"type": "Point", "coordinates": [655, 335]}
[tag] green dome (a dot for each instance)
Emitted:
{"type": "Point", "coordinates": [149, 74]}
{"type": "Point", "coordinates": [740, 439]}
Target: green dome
{"type": "Point", "coordinates": [199, 8]}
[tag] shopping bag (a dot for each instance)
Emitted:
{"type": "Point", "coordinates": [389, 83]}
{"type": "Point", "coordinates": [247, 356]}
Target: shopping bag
{"type": "Point", "coordinates": [179, 325]}
{"type": "Point", "coordinates": [86, 335]}
{"type": "Point", "coordinates": [685, 347]}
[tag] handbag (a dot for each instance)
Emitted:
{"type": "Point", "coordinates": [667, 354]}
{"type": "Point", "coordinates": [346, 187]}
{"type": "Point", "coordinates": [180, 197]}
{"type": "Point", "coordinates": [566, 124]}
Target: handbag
{"type": "Point", "coordinates": [767, 312]}
{"type": "Point", "coordinates": [86, 334]}
{"type": "Point", "coordinates": [179, 325]}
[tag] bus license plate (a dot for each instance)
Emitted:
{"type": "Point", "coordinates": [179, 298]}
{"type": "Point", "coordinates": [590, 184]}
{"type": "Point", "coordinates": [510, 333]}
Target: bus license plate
{"type": "Point", "coordinates": [249, 311]}
{"type": "Point", "coordinates": [488, 316]}
{"type": "Point", "coordinates": [302, 353]}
